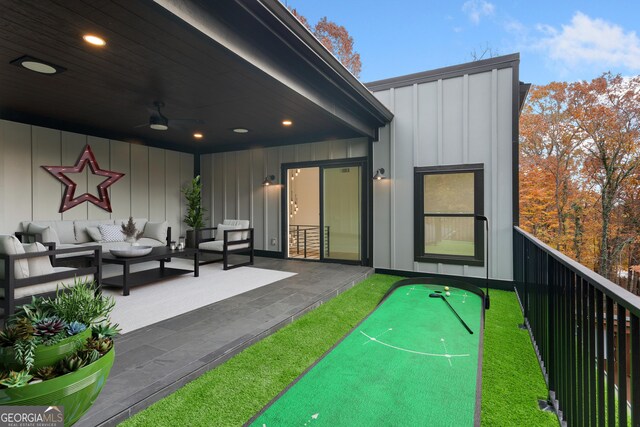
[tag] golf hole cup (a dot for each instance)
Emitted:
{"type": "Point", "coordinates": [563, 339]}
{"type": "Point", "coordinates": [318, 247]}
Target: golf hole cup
{"type": "Point", "coordinates": [173, 245]}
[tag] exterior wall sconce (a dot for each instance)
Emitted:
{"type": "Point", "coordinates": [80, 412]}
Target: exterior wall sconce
{"type": "Point", "coordinates": [379, 174]}
{"type": "Point", "coordinates": [269, 180]}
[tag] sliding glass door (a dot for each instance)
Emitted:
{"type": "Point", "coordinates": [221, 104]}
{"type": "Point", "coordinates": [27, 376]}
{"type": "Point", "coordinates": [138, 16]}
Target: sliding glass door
{"type": "Point", "coordinates": [341, 213]}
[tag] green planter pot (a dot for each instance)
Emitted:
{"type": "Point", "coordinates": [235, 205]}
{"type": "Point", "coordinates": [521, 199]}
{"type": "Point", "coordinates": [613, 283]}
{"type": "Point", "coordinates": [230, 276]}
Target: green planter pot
{"type": "Point", "coordinates": [46, 355]}
{"type": "Point", "coordinates": [75, 391]}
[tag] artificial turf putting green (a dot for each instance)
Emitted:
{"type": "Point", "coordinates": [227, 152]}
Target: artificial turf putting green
{"type": "Point", "coordinates": [411, 362]}
{"type": "Point", "coordinates": [232, 393]}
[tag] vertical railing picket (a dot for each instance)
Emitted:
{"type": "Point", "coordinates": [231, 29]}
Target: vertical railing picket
{"type": "Point", "coordinates": [592, 356]}
{"type": "Point", "coordinates": [579, 346]}
{"type": "Point", "coordinates": [611, 377]}
{"type": "Point", "coordinates": [622, 365]}
{"type": "Point", "coordinates": [600, 357]}
{"type": "Point", "coordinates": [635, 369]}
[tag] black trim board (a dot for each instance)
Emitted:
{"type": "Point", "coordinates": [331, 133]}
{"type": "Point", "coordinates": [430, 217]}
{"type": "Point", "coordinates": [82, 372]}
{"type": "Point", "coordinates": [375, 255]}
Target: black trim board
{"type": "Point", "coordinates": [503, 285]}
{"type": "Point", "coordinates": [268, 254]}
{"type": "Point", "coordinates": [474, 67]}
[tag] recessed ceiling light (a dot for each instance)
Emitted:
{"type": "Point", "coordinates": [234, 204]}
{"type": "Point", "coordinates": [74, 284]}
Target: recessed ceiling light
{"type": "Point", "coordinates": [94, 40]}
{"type": "Point", "coordinates": [287, 123]}
{"type": "Point", "coordinates": [197, 135]}
{"type": "Point", "coordinates": [37, 65]}
{"type": "Point", "coordinates": [241, 130]}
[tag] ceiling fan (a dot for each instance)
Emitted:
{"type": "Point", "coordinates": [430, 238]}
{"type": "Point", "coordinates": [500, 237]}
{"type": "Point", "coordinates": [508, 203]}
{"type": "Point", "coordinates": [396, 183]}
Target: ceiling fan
{"type": "Point", "coordinates": [158, 121]}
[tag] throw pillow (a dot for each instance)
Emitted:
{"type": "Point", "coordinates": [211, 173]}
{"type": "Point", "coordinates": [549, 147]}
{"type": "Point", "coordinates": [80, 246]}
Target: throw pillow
{"type": "Point", "coordinates": [232, 236]}
{"type": "Point", "coordinates": [156, 230]}
{"type": "Point", "coordinates": [40, 265]}
{"type": "Point", "coordinates": [10, 245]}
{"type": "Point", "coordinates": [94, 233]}
{"type": "Point", "coordinates": [48, 233]}
{"type": "Point", "coordinates": [111, 233]}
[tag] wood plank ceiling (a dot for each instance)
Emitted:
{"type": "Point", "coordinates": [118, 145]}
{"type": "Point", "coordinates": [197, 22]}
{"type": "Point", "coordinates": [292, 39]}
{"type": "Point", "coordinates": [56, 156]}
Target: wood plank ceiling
{"type": "Point", "coordinates": [150, 55]}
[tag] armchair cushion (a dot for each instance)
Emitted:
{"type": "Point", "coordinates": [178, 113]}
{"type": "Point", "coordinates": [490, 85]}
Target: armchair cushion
{"type": "Point", "coordinates": [40, 288]}
{"type": "Point", "coordinates": [232, 236]}
{"type": "Point", "coordinates": [40, 265]}
{"type": "Point", "coordinates": [10, 245]}
{"type": "Point", "coordinates": [48, 233]}
{"type": "Point", "coordinates": [218, 246]}
{"type": "Point", "coordinates": [240, 223]}
{"type": "Point", "coordinates": [156, 230]}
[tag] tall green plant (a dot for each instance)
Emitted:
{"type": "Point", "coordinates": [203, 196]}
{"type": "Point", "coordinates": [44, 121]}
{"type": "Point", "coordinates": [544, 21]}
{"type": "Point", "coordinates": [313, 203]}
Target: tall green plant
{"type": "Point", "coordinates": [194, 217]}
{"type": "Point", "coordinates": [80, 303]}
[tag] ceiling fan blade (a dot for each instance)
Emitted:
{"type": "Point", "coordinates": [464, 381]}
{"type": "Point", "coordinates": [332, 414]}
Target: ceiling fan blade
{"type": "Point", "coordinates": [142, 125]}
{"type": "Point", "coordinates": [186, 121]}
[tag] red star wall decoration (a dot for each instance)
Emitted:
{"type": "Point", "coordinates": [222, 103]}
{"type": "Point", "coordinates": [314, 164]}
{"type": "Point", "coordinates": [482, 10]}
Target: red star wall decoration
{"type": "Point", "coordinates": [69, 200]}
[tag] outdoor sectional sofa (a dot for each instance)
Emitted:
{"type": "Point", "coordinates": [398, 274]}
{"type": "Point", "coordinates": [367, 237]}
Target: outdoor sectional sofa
{"type": "Point", "coordinates": [79, 234]}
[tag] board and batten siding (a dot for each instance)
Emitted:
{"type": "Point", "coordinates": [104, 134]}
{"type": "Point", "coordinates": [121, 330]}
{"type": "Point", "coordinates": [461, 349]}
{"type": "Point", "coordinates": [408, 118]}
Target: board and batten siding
{"type": "Point", "coordinates": [232, 183]}
{"type": "Point", "coordinates": [150, 188]}
{"type": "Point", "coordinates": [458, 120]}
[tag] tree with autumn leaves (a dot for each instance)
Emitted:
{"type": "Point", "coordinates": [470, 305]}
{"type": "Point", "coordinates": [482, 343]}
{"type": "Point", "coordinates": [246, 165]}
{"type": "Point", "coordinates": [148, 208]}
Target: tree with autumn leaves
{"type": "Point", "coordinates": [580, 170]}
{"type": "Point", "coordinates": [336, 39]}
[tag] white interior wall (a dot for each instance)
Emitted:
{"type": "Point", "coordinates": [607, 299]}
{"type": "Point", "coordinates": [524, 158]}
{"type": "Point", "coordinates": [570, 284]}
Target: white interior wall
{"type": "Point", "coordinates": [460, 120]}
{"type": "Point", "coordinates": [150, 188]}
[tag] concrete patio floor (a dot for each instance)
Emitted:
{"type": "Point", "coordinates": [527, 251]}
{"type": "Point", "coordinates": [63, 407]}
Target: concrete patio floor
{"type": "Point", "coordinates": [154, 361]}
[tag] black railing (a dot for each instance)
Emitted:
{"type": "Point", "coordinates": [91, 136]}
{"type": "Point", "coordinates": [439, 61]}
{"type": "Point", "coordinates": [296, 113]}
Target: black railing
{"type": "Point", "coordinates": [304, 241]}
{"type": "Point", "coordinates": [580, 324]}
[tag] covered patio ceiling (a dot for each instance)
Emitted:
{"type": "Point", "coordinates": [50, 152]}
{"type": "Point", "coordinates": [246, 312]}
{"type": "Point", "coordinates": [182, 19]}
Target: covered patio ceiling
{"type": "Point", "coordinates": [229, 63]}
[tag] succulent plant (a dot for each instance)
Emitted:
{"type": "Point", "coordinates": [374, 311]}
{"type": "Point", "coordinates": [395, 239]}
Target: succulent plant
{"type": "Point", "coordinates": [47, 328]}
{"type": "Point", "coordinates": [16, 379]}
{"type": "Point", "coordinates": [89, 355]}
{"type": "Point", "coordinates": [105, 330]}
{"type": "Point", "coordinates": [102, 345]}
{"type": "Point", "coordinates": [71, 363]}
{"type": "Point", "coordinates": [8, 337]}
{"type": "Point", "coordinates": [75, 327]}
{"type": "Point", "coordinates": [46, 372]}
{"type": "Point", "coordinates": [37, 310]}
{"type": "Point", "coordinates": [24, 329]}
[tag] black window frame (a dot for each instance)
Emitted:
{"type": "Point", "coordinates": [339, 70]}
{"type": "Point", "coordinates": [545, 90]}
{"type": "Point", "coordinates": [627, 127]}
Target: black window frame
{"type": "Point", "coordinates": [478, 204]}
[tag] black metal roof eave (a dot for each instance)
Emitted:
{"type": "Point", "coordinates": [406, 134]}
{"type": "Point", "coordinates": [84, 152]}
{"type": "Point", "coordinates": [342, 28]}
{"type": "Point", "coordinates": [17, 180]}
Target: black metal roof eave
{"type": "Point", "coordinates": [474, 67]}
{"type": "Point", "coordinates": [302, 37]}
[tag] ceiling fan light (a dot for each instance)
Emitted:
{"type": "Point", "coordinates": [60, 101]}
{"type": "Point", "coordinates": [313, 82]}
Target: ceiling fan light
{"type": "Point", "coordinates": [158, 123]}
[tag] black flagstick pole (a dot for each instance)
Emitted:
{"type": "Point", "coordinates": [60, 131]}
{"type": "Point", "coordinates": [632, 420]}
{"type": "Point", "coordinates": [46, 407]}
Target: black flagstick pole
{"type": "Point", "coordinates": [487, 301]}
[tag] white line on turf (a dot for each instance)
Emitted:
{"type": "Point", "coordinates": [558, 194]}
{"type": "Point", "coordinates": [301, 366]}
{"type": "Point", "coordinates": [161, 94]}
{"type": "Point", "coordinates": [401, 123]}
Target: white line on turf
{"type": "Point", "coordinates": [448, 356]}
{"type": "Point", "coordinates": [375, 338]}
{"type": "Point", "coordinates": [445, 350]}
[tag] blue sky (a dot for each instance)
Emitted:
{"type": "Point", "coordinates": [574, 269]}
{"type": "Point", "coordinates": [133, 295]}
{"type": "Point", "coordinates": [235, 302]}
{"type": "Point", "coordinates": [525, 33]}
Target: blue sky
{"type": "Point", "coordinates": [558, 40]}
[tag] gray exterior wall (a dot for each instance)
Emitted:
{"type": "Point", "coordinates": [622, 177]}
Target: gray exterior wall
{"type": "Point", "coordinates": [446, 121]}
{"type": "Point", "coordinates": [150, 188]}
{"type": "Point", "coordinates": [232, 183]}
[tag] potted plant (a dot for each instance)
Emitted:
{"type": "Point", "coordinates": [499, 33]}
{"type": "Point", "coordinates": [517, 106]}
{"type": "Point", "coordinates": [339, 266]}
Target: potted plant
{"type": "Point", "coordinates": [194, 217]}
{"type": "Point", "coordinates": [59, 351]}
{"type": "Point", "coordinates": [131, 233]}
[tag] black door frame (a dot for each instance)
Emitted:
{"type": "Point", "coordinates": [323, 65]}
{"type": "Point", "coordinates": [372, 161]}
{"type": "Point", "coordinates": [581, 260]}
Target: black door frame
{"type": "Point", "coordinates": [365, 228]}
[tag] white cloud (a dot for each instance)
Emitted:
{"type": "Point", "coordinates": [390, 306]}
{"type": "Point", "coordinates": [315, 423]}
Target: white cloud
{"type": "Point", "coordinates": [591, 41]}
{"type": "Point", "coordinates": [476, 9]}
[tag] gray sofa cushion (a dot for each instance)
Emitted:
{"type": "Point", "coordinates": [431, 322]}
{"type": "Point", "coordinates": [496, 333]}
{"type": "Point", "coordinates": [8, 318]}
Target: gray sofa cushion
{"type": "Point", "coordinates": [94, 233]}
{"type": "Point", "coordinates": [10, 245]}
{"type": "Point", "coordinates": [145, 241]}
{"type": "Point", "coordinates": [111, 233]}
{"type": "Point", "coordinates": [80, 229]}
{"type": "Point", "coordinates": [64, 229]}
{"type": "Point", "coordinates": [156, 230]}
{"type": "Point", "coordinates": [218, 246]}
{"type": "Point", "coordinates": [40, 265]}
{"type": "Point", "coordinates": [47, 232]}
